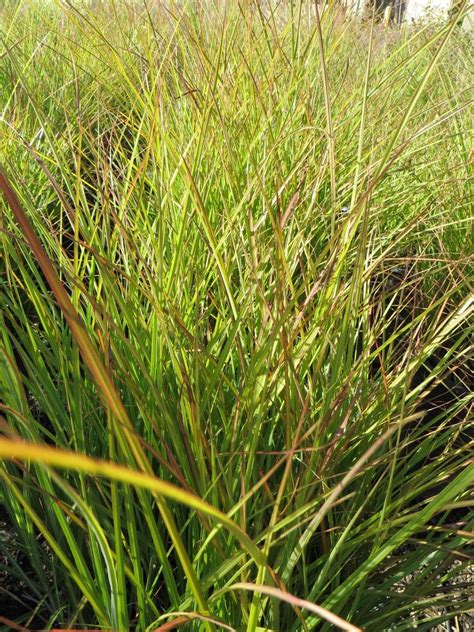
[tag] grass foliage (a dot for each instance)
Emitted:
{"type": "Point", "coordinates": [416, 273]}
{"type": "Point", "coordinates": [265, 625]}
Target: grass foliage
{"type": "Point", "coordinates": [236, 308]}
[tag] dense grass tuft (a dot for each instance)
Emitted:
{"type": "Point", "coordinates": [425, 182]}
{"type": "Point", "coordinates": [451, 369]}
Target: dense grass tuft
{"type": "Point", "coordinates": [236, 262]}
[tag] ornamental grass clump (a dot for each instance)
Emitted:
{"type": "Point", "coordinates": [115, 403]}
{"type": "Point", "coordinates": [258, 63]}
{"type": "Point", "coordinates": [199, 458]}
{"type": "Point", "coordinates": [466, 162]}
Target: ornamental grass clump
{"type": "Point", "coordinates": [236, 318]}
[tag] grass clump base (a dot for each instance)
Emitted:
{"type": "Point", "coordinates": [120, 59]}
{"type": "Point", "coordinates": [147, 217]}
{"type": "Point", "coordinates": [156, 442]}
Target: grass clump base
{"type": "Point", "coordinates": [236, 318]}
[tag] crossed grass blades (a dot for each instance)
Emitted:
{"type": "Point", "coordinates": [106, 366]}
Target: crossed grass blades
{"type": "Point", "coordinates": [236, 318]}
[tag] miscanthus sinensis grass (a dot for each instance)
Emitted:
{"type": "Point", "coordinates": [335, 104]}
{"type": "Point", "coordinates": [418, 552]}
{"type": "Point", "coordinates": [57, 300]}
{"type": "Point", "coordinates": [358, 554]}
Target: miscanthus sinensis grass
{"type": "Point", "coordinates": [236, 309]}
